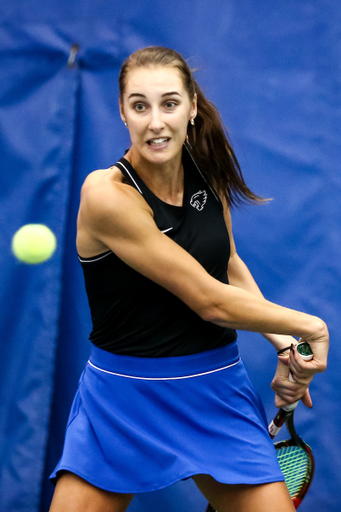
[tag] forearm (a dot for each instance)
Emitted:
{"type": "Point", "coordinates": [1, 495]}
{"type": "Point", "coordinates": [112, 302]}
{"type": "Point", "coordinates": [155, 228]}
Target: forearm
{"type": "Point", "coordinates": [236, 308]}
{"type": "Point", "coordinates": [241, 277]}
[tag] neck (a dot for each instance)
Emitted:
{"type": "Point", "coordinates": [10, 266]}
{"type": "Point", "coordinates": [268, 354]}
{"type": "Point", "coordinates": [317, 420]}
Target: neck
{"type": "Point", "coordinates": [165, 180]}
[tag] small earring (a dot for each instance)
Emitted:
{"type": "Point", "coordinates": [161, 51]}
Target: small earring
{"type": "Point", "coordinates": [192, 122]}
{"type": "Point", "coordinates": [125, 124]}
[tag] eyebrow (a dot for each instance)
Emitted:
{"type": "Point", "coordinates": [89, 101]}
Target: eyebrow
{"type": "Point", "coordinates": [137, 94]}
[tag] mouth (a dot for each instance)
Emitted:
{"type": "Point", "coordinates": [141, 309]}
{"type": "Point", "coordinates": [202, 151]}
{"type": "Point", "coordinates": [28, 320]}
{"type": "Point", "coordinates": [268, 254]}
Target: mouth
{"type": "Point", "coordinates": [158, 142]}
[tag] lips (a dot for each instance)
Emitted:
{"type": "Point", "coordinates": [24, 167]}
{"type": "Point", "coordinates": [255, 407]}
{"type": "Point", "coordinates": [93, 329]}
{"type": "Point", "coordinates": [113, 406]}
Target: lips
{"type": "Point", "coordinates": [158, 141]}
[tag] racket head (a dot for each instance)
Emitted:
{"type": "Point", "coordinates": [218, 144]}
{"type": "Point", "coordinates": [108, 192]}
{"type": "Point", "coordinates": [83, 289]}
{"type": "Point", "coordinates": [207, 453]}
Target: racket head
{"type": "Point", "coordinates": [297, 463]}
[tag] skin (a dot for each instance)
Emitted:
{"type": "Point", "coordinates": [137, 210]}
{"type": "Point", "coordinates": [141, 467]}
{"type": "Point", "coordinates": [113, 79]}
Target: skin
{"type": "Point", "coordinates": [113, 215]}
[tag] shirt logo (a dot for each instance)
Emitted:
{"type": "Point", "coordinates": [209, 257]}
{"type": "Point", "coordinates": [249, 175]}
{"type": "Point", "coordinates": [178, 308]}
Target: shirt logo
{"type": "Point", "coordinates": [198, 200]}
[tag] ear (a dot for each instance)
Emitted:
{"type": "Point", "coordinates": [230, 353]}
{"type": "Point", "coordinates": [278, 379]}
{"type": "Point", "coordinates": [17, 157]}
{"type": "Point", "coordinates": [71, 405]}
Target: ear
{"type": "Point", "coordinates": [194, 109]}
{"type": "Point", "coordinates": [121, 111]}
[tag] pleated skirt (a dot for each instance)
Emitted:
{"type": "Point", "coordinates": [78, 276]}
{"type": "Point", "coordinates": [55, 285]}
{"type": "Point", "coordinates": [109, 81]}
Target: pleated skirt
{"type": "Point", "coordinates": [141, 424]}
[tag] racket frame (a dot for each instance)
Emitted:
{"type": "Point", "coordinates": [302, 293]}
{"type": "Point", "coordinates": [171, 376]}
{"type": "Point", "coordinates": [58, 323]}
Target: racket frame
{"type": "Point", "coordinates": [286, 415]}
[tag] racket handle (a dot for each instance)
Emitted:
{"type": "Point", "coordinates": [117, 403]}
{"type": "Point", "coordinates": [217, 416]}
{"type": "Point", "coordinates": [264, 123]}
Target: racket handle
{"type": "Point", "coordinates": [305, 352]}
{"type": "Point", "coordinates": [275, 426]}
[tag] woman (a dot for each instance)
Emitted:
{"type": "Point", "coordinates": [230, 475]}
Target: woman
{"type": "Point", "coordinates": [165, 395]}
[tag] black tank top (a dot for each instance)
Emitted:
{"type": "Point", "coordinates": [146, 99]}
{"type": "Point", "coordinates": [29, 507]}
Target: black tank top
{"type": "Point", "coordinates": [134, 316]}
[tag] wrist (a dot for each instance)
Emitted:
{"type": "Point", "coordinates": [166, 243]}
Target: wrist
{"type": "Point", "coordinates": [282, 351]}
{"type": "Point", "coordinates": [280, 342]}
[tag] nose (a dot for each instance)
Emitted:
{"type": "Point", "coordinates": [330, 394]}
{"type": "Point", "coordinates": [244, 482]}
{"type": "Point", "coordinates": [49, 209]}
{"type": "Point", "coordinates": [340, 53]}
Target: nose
{"type": "Point", "coordinates": [156, 122]}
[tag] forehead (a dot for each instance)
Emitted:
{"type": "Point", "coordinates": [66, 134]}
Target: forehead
{"type": "Point", "coordinates": [154, 79]}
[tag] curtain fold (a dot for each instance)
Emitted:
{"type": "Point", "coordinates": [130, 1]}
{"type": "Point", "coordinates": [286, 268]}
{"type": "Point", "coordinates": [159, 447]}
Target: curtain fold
{"type": "Point", "coordinates": [38, 112]}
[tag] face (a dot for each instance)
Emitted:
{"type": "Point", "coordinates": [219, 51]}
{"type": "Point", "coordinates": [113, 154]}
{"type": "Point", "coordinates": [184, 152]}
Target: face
{"type": "Point", "coordinates": [157, 109]}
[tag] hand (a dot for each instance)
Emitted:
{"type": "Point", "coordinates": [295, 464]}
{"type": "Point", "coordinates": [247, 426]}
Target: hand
{"type": "Point", "coordinates": [319, 343]}
{"type": "Point", "coordinates": [302, 372]}
{"type": "Point", "coordinates": [288, 392]}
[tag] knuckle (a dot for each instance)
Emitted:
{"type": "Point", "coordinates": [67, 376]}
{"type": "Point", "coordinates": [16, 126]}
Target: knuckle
{"type": "Point", "coordinates": [274, 385]}
{"type": "Point", "coordinates": [322, 368]}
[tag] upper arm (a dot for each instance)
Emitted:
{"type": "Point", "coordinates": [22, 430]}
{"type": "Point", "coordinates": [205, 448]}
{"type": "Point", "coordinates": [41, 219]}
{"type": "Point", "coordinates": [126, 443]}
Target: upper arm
{"type": "Point", "coordinates": [238, 273]}
{"type": "Point", "coordinates": [228, 222]}
{"type": "Point", "coordinates": [119, 218]}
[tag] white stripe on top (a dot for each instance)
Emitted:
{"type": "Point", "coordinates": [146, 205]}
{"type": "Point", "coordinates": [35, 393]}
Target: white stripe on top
{"type": "Point", "coordinates": [132, 179]}
{"type": "Point", "coordinates": [95, 258]}
{"type": "Point", "coordinates": [203, 177]}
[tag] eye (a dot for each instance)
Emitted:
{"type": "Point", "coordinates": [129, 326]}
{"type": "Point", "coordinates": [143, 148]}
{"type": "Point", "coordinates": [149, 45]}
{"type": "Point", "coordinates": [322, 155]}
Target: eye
{"type": "Point", "coordinates": [170, 104]}
{"type": "Point", "coordinates": [139, 107]}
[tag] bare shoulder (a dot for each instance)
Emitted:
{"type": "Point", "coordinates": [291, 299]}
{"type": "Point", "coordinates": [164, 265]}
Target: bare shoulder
{"type": "Point", "coordinates": [101, 181]}
{"type": "Point", "coordinates": [108, 208]}
{"type": "Point", "coordinates": [104, 192]}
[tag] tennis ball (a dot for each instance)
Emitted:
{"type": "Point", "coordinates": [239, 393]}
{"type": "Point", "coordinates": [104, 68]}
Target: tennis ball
{"type": "Point", "coordinates": [34, 243]}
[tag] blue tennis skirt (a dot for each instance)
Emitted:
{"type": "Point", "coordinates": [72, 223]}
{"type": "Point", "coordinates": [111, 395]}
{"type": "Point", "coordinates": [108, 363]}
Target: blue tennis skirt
{"type": "Point", "coordinates": [141, 424]}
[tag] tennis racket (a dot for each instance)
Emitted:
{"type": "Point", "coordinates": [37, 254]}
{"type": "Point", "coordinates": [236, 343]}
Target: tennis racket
{"type": "Point", "coordinates": [294, 456]}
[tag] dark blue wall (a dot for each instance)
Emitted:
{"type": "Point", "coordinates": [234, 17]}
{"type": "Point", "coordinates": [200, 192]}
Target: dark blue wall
{"type": "Point", "coordinates": [273, 69]}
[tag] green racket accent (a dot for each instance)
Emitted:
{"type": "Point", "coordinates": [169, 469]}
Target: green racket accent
{"type": "Point", "coordinates": [304, 349]}
{"type": "Point", "coordinates": [296, 467]}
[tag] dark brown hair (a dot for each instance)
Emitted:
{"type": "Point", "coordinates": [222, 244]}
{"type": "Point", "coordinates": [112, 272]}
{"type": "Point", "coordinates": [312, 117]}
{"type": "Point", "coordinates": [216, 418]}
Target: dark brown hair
{"type": "Point", "coordinates": [208, 140]}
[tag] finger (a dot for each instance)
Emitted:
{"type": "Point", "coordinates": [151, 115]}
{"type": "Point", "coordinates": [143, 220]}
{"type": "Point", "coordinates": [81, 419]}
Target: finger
{"type": "Point", "coordinates": [295, 360]}
{"type": "Point", "coordinates": [319, 362]}
{"type": "Point", "coordinates": [281, 401]}
{"type": "Point", "coordinates": [284, 359]}
{"type": "Point", "coordinates": [282, 371]}
{"type": "Point", "coordinates": [301, 376]}
{"type": "Point", "coordinates": [285, 397]}
{"type": "Point", "coordinates": [278, 402]}
{"type": "Point", "coordinates": [306, 399]}
{"type": "Point", "coordinates": [302, 371]}
{"type": "Point", "coordinates": [302, 381]}
{"type": "Point", "coordinates": [286, 390]}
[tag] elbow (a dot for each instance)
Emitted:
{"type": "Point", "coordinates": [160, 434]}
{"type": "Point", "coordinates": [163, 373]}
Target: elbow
{"type": "Point", "coordinates": [206, 314]}
{"type": "Point", "coordinates": [212, 313]}
{"type": "Point", "coordinates": [213, 304]}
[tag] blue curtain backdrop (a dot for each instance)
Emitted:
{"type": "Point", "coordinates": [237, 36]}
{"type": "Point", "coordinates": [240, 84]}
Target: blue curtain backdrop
{"type": "Point", "coordinates": [273, 69]}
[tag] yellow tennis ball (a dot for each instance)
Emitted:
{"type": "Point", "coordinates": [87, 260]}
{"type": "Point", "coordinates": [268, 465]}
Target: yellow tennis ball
{"type": "Point", "coordinates": [34, 243]}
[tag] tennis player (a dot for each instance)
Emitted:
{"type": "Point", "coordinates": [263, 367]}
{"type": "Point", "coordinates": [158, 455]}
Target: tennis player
{"type": "Point", "coordinates": [165, 395]}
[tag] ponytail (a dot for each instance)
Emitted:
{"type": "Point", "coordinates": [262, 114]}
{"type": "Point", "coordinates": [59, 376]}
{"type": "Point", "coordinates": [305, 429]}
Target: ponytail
{"type": "Point", "coordinates": [213, 152]}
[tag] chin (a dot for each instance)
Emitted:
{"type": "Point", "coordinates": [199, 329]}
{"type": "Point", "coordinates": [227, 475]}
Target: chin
{"type": "Point", "coordinates": [160, 159]}
{"type": "Point", "coordinates": [162, 156]}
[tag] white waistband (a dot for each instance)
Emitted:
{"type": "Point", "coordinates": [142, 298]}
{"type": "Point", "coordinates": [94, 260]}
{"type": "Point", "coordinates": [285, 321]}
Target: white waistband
{"type": "Point", "coordinates": [164, 378]}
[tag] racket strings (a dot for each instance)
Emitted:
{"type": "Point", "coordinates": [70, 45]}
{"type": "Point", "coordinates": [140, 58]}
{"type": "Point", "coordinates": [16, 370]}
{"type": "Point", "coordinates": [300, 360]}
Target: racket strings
{"type": "Point", "coordinates": [295, 464]}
